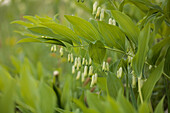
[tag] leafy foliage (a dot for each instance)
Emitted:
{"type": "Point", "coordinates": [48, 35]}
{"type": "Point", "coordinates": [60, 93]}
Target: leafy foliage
{"type": "Point", "coordinates": [119, 59]}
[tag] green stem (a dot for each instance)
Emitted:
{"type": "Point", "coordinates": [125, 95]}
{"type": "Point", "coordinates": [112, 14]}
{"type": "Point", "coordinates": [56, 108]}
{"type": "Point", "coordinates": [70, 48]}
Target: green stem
{"type": "Point", "coordinates": [133, 97]}
{"type": "Point", "coordinates": [116, 50]}
{"type": "Point", "coordinates": [127, 88]}
{"type": "Point", "coordinates": [139, 89]}
{"type": "Point", "coordinates": [166, 75]}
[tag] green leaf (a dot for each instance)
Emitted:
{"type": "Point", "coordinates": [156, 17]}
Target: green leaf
{"type": "Point", "coordinates": [159, 108]}
{"type": "Point", "coordinates": [66, 93]}
{"type": "Point", "coordinates": [83, 107]}
{"type": "Point", "coordinates": [145, 5]}
{"type": "Point", "coordinates": [167, 63]}
{"type": "Point", "coordinates": [95, 102]}
{"type": "Point", "coordinates": [155, 51]}
{"type": "Point", "coordinates": [5, 78]}
{"type": "Point", "coordinates": [144, 108]}
{"type": "Point", "coordinates": [114, 85]}
{"type": "Point", "coordinates": [7, 100]}
{"type": "Point", "coordinates": [65, 32]}
{"type": "Point", "coordinates": [41, 40]}
{"type": "Point", "coordinates": [44, 31]}
{"type": "Point", "coordinates": [28, 87]}
{"type": "Point", "coordinates": [22, 23]}
{"type": "Point", "coordinates": [151, 81]}
{"type": "Point", "coordinates": [127, 26]}
{"type": "Point", "coordinates": [28, 40]}
{"type": "Point", "coordinates": [125, 104]}
{"type": "Point", "coordinates": [139, 58]}
{"type": "Point", "coordinates": [83, 28]}
{"type": "Point", "coordinates": [97, 51]}
{"type": "Point", "coordinates": [114, 106]}
{"type": "Point", "coordinates": [102, 83]}
{"type": "Point", "coordinates": [31, 19]}
{"type": "Point", "coordinates": [47, 98]}
{"type": "Point", "coordinates": [112, 35]}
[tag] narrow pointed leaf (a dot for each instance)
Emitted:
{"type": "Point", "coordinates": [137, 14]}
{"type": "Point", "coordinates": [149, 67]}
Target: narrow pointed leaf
{"type": "Point", "coordinates": [126, 25]}
{"type": "Point", "coordinates": [112, 35]}
{"type": "Point", "coordinates": [139, 58]}
{"type": "Point", "coordinates": [83, 28]}
{"type": "Point", "coordinates": [148, 86]}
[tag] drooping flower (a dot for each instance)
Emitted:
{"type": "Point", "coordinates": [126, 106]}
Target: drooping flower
{"type": "Point", "coordinates": [91, 71]}
{"type": "Point", "coordinates": [85, 71]}
{"type": "Point", "coordinates": [69, 57]}
{"type": "Point", "coordinates": [78, 75]}
{"type": "Point", "coordinates": [95, 7]}
{"type": "Point", "coordinates": [61, 51]}
{"type": "Point", "coordinates": [73, 69]}
{"type": "Point", "coordinates": [119, 72]}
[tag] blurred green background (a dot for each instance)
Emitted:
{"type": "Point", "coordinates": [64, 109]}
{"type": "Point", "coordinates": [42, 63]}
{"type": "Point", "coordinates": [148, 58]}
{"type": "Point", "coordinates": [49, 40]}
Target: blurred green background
{"type": "Point", "coordinates": [11, 10]}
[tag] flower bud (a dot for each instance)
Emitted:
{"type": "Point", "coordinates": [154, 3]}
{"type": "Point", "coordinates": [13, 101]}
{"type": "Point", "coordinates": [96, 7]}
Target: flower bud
{"type": "Point", "coordinates": [107, 66]}
{"type": "Point", "coordinates": [83, 62]}
{"type": "Point", "coordinates": [86, 62]}
{"type": "Point", "coordinates": [75, 62]}
{"type": "Point", "coordinates": [95, 7]}
{"type": "Point", "coordinates": [113, 22]}
{"type": "Point", "coordinates": [79, 62]}
{"type": "Point", "coordinates": [72, 58]}
{"type": "Point", "coordinates": [55, 49]}
{"type": "Point", "coordinates": [91, 71]}
{"type": "Point", "coordinates": [78, 75]}
{"type": "Point", "coordinates": [90, 61]}
{"type": "Point", "coordinates": [95, 76]}
{"type": "Point", "coordinates": [69, 57]}
{"type": "Point", "coordinates": [110, 21]}
{"type": "Point", "coordinates": [85, 71]}
{"type": "Point", "coordinates": [61, 51]}
{"type": "Point", "coordinates": [150, 66]}
{"type": "Point", "coordinates": [82, 77]}
{"type": "Point", "coordinates": [133, 81]}
{"type": "Point", "coordinates": [104, 66]}
{"type": "Point", "coordinates": [73, 69]}
{"type": "Point", "coordinates": [55, 73]}
{"type": "Point", "coordinates": [98, 12]}
{"type": "Point", "coordinates": [52, 48]}
{"type": "Point", "coordinates": [92, 81]}
{"type": "Point", "coordinates": [102, 14]}
{"type": "Point", "coordinates": [119, 72]}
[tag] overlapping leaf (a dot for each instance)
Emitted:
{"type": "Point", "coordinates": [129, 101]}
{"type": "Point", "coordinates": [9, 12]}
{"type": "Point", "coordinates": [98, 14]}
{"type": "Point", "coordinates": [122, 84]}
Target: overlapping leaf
{"type": "Point", "coordinates": [112, 35]}
{"type": "Point", "coordinates": [139, 58]}
{"type": "Point", "coordinates": [97, 51]}
{"type": "Point", "coordinates": [126, 25]}
{"type": "Point", "coordinates": [84, 28]}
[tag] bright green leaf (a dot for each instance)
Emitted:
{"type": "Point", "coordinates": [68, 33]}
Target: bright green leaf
{"type": "Point", "coordinates": [112, 35]}
{"type": "Point", "coordinates": [159, 108]}
{"type": "Point", "coordinates": [65, 32]}
{"type": "Point", "coordinates": [47, 98]}
{"type": "Point", "coordinates": [83, 28]}
{"type": "Point", "coordinates": [148, 86]}
{"type": "Point", "coordinates": [167, 63]}
{"type": "Point", "coordinates": [139, 58]}
{"type": "Point", "coordinates": [114, 85]}
{"type": "Point", "coordinates": [22, 23]}
{"type": "Point", "coordinates": [126, 25]}
{"type": "Point", "coordinates": [97, 51]}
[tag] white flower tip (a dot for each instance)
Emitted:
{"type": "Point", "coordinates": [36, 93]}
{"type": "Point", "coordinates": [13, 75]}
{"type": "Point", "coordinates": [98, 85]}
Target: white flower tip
{"type": "Point", "coordinates": [55, 73]}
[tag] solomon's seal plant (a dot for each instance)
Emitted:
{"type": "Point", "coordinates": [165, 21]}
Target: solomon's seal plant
{"type": "Point", "coordinates": [134, 42]}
